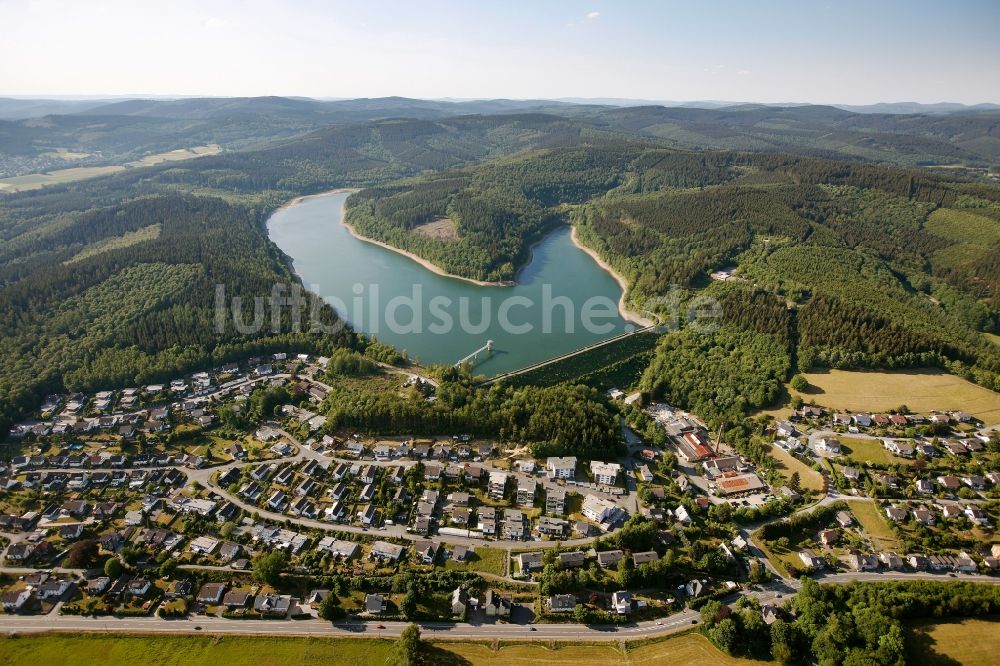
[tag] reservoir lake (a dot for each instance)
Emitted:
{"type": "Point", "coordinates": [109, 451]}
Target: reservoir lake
{"type": "Point", "coordinates": [563, 299]}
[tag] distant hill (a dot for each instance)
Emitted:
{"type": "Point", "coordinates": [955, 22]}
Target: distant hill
{"type": "Point", "coordinates": [917, 107]}
{"type": "Point", "coordinates": [18, 109]}
{"type": "Point", "coordinates": [116, 131]}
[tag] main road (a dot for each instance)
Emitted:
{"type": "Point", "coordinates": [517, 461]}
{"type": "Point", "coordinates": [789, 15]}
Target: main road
{"type": "Point", "coordinates": [776, 591]}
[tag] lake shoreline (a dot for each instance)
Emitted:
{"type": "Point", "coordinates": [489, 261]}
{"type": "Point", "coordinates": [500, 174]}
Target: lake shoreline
{"type": "Point", "coordinates": [625, 313]}
{"type": "Point", "coordinates": [618, 277]}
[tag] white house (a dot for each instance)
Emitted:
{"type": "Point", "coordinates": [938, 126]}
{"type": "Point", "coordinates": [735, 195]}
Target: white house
{"type": "Point", "coordinates": [561, 468]}
{"type": "Point", "coordinates": [605, 474]}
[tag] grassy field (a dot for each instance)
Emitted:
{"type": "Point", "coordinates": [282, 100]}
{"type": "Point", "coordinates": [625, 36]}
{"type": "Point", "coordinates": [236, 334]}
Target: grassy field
{"type": "Point", "coordinates": [968, 642]}
{"type": "Point", "coordinates": [778, 561]}
{"type": "Point", "coordinates": [117, 650]}
{"type": "Point", "coordinates": [920, 390]}
{"type": "Point", "coordinates": [487, 560]}
{"type": "Point", "coordinates": [974, 235]}
{"type": "Point", "coordinates": [809, 478]}
{"type": "Point", "coordinates": [34, 181]}
{"type": "Point", "coordinates": [874, 524]}
{"type": "Point", "coordinates": [689, 648]}
{"type": "Point", "coordinates": [995, 339]}
{"type": "Point", "coordinates": [117, 242]}
{"type": "Point", "coordinates": [860, 450]}
{"type": "Point", "coordinates": [523, 655]}
{"type": "Point", "coordinates": [189, 650]}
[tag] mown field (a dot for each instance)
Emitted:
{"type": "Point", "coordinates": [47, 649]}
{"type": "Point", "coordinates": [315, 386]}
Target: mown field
{"type": "Point", "coordinates": [118, 650]}
{"type": "Point", "coordinates": [862, 450]}
{"type": "Point", "coordinates": [920, 390]}
{"type": "Point", "coordinates": [486, 560]}
{"type": "Point", "coordinates": [873, 521]}
{"type": "Point", "coordinates": [110, 650]}
{"type": "Point", "coordinates": [970, 642]}
{"type": "Point", "coordinates": [788, 464]}
{"type": "Point", "coordinates": [34, 181]}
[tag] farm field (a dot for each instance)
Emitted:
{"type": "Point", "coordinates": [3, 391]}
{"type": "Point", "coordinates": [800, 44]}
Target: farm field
{"type": "Point", "coordinates": [122, 650]}
{"type": "Point", "coordinates": [920, 390]}
{"type": "Point", "coordinates": [873, 522]}
{"type": "Point", "coordinates": [690, 648]}
{"type": "Point", "coordinates": [971, 642]}
{"type": "Point", "coordinates": [992, 337]}
{"type": "Point", "coordinates": [788, 464]}
{"type": "Point", "coordinates": [35, 181]}
{"type": "Point", "coordinates": [112, 650]}
{"type": "Point", "coordinates": [860, 450]}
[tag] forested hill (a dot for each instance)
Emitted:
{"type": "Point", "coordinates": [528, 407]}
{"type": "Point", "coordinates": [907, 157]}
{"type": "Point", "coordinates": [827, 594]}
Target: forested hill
{"type": "Point", "coordinates": [111, 281]}
{"type": "Point", "coordinates": [867, 266]}
{"type": "Point", "coordinates": [970, 137]}
{"type": "Point", "coordinates": [116, 132]}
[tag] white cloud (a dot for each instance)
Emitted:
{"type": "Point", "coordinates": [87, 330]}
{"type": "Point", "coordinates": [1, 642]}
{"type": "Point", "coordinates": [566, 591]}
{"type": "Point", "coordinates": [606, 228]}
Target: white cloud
{"type": "Point", "coordinates": [593, 15]}
{"type": "Point", "coordinates": [212, 22]}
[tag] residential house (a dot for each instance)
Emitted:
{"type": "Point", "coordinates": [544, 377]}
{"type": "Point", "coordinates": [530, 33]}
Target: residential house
{"type": "Point", "coordinates": [272, 605]}
{"type": "Point", "coordinates": [863, 562]}
{"type": "Point", "coordinates": [608, 559]}
{"type": "Point", "coordinates": [810, 560]}
{"type": "Point", "coordinates": [386, 551]}
{"type": "Point", "coordinates": [497, 604]}
{"type": "Point", "coordinates": [374, 604]}
{"type": "Point", "coordinates": [555, 501]}
{"type": "Point", "coordinates": [211, 594]}
{"type": "Point", "coordinates": [570, 560]}
{"type": "Point", "coordinates": [561, 468]}
{"type": "Point", "coordinates": [459, 602]}
{"type": "Point", "coordinates": [528, 562]}
{"type": "Point", "coordinates": [605, 474]}
{"type": "Point", "coordinates": [644, 557]}
{"type": "Point", "coordinates": [562, 603]}
{"type": "Point", "coordinates": [621, 602]}
{"type": "Point", "coordinates": [924, 516]}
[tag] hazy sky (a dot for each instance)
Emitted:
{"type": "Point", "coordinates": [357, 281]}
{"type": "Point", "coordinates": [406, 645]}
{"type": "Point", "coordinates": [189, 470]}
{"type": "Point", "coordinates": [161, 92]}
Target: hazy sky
{"type": "Point", "coordinates": [753, 50]}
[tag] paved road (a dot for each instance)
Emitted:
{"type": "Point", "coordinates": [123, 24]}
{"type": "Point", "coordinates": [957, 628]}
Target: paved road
{"type": "Point", "coordinates": [777, 591]}
{"type": "Point", "coordinates": [312, 627]}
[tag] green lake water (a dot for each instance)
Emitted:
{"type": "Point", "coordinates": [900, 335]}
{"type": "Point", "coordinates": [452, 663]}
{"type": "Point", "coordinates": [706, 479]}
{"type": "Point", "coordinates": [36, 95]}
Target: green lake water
{"type": "Point", "coordinates": [563, 299]}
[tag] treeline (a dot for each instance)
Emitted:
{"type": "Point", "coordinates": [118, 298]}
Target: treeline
{"type": "Point", "coordinates": [857, 623]}
{"type": "Point", "coordinates": [558, 420]}
{"type": "Point", "coordinates": [719, 374]}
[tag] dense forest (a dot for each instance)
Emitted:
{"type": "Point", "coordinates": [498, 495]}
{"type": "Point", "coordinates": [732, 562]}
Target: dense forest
{"type": "Point", "coordinates": [556, 420]}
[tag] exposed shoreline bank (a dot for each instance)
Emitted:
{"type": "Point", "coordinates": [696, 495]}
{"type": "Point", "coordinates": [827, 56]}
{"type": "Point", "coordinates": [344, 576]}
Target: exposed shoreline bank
{"type": "Point", "coordinates": [633, 317]}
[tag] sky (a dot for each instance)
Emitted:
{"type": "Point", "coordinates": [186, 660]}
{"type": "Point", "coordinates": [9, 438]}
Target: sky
{"type": "Point", "coordinates": [842, 52]}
